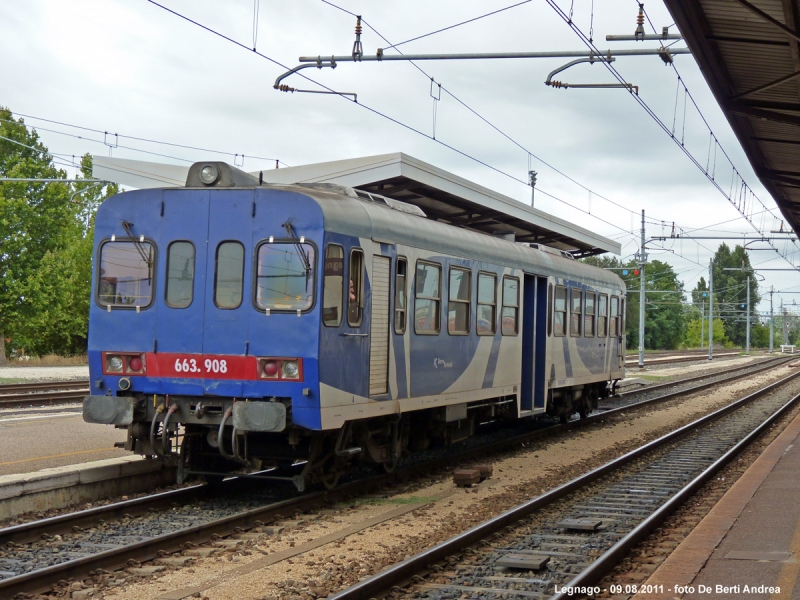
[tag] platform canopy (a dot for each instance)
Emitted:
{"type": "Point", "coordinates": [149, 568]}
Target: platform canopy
{"type": "Point", "coordinates": [443, 196]}
{"type": "Point", "coordinates": [749, 53]}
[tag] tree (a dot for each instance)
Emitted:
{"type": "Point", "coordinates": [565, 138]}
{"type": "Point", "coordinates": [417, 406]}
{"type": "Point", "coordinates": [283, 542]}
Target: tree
{"type": "Point", "coordinates": [694, 335]}
{"type": "Point", "coordinates": [664, 323]}
{"type": "Point", "coordinates": [45, 246]}
{"type": "Point", "coordinates": [730, 291]}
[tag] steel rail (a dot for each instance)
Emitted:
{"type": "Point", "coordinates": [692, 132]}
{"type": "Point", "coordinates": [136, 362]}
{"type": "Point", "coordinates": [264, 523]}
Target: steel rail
{"type": "Point", "coordinates": [38, 398]}
{"type": "Point", "coordinates": [42, 580]}
{"type": "Point", "coordinates": [402, 572]}
{"type": "Point", "coordinates": [42, 386]}
{"type": "Point", "coordinates": [35, 530]}
{"type": "Point", "coordinates": [604, 563]}
{"type": "Point", "coordinates": [667, 360]}
{"type": "Point", "coordinates": [756, 368]}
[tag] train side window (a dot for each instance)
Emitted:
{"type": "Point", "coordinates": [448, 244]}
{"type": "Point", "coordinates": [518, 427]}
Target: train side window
{"type": "Point", "coordinates": [622, 317]}
{"type": "Point", "coordinates": [459, 301]}
{"type": "Point", "coordinates": [588, 315]}
{"type": "Point", "coordinates": [510, 314]}
{"type": "Point", "coordinates": [613, 316]}
{"type": "Point", "coordinates": [229, 275]}
{"type": "Point", "coordinates": [560, 312]}
{"type": "Point", "coordinates": [355, 302]}
{"type": "Point", "coordinates": [180, 275]}
{"type": "Point", "coordinates": [549, 309]}
{"type": "Point", "coordinates": [333, 287]}
{"type": "Point", "coordinates": [486, 317]}
{"type": "Point", "coordinates": [400, 310]}
{"type": "Point", "coordinates": [575, 314]}
{"type": "Point", "coordinates": [602, 315]}
{"type": "Point", "coordinates": [428, 295]}
{"type": "Point", "coordinates": [126, 274]}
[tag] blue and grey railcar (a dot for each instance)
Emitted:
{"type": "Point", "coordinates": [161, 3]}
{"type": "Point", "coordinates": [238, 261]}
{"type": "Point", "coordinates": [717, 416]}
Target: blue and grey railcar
{"type": "Point", "coordinates": [298, 330]}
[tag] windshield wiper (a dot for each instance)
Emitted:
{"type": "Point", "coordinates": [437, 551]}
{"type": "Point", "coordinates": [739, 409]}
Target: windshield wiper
{"type": "Point", "coordinates": [298, 246]}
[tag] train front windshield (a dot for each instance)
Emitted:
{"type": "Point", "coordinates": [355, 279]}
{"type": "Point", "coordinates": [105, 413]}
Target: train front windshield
{"type": "Point", "coordinates": [285, 279]}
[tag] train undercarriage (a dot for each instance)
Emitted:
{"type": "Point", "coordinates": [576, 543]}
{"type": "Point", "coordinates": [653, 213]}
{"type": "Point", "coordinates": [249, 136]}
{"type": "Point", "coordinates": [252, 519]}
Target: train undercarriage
{"type": "Point", "coordinates": [203, 439]}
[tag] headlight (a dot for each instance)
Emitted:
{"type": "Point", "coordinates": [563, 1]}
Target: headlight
{"type": "Point", "coordinates": [290, 369]}
{"type": "Point", "coordinates": [209, 174]}
{"type": "Point", "coordinates": [115, 363]}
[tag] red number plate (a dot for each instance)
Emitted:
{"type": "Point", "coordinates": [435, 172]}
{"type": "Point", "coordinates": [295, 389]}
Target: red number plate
{"type": "Point", "coordinates": [201, 366]}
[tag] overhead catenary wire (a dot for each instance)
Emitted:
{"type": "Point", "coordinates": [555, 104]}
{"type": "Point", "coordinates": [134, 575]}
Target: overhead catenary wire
{"type": "Point", "coordinates": [377, 112]}
{"type": "Point", "coordinates": [612, 69]}
{"type": "Point", "coordinates": [480, 116]}
{"type": "Point", "coordinates": [140, 139]}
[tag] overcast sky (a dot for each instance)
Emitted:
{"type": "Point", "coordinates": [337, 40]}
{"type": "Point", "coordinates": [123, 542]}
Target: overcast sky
{"type": "Point", "coordinates": [130, 67]}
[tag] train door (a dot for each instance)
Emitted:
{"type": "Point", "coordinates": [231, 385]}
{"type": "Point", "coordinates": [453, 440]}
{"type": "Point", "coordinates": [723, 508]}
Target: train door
{"type": "Point", "coordinates": [182, 256]}
{"type": "Point", "coordinates": [228, 291]}
{"type": "Point", "coordinates": [621, 338]}
{"type": "Point", "coordinates": [534, 338]}
{"type": "Point", "coordinates": [379, 326]}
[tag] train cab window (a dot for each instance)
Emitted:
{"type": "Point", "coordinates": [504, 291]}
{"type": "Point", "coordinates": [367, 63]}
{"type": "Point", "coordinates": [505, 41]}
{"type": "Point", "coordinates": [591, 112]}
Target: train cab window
{"type": "Point", "coordinates": [459, 301]}
{"type": "Point", "coordinates": [486, 317]}
{"type": "Point", "coordinates": [588, 315]}
{"type": "Point", "coordinates": [510, 315]}
{"type": "Point", "coordinates": [355, 295]}
{"type": "Point", "coordinates": [427, 296]}
{"type": "Point", "coordinates": [613, 317]}
{"type": "Point", "coordinates": [400, 301]}
{"type": "Point", "coordinates": [602, 315]}
{"type": "Point", "coordinates": [333, 286]}
{"type": "Point", "coordinates": [550, 309]}
{"type": "Point", "coordinates": [229, 275]}
{"type": "Point", "coordinates": [126, 274]}
{"type": "Point", "coordinates": [560, 312]}
{"type": "Point", "coordinates": [622, 317]}
{"type": "Point", "coordinates": [180, 274]}
{"type": "Point", "coordinates": [285, 276]}
{"type": "Point", "coordinates": [575, 314]}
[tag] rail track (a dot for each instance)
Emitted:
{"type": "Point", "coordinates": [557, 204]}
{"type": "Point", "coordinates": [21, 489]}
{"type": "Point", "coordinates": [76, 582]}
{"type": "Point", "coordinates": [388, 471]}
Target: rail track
{"type": "Point", "coordinates": [36, 556]}
{"type": "Point", "coordinates": [592, 521]}
{"type": "Point", "coordinates": [665, 359]}
{"type": "Point", "coordinates": [18, 395]}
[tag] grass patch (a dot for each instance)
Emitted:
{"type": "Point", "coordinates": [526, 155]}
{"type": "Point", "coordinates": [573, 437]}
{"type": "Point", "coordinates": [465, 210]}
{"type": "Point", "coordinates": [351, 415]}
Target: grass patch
{"type": "Point", "coordinates": [652, 377]}
{"type": "Point", "coordinates": [6, 380]}
{"type": "Point", "coordinates": [51, 360]}
{"type": "Point", "coordinates": [394, 501]}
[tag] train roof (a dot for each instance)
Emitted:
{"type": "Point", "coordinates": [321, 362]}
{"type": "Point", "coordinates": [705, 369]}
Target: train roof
{"type": "Point", "coordinates": [443, 197]}
{"type": "Point", "coordinates": [370, 218]}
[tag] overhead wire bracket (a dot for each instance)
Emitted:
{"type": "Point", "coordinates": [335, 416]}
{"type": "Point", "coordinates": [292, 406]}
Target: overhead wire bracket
{"type": "Point", "coordinates": [320, 63]}
{"type": "Point", "coordinates": [591, 60]}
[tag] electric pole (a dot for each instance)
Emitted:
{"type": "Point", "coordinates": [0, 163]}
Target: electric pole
{"type": "Point", "coordinates": [642, 259]}
{"type": "Point", "coordinates": [702, 325]}
{"type": "Point", "coordinates": [771, 320]}
{"type": "Point", "coordinates": [710, 309]}
{"type": "Point", "coordinates": [747, 273]}
{"type": "Point", "coordinates": [747, 346]}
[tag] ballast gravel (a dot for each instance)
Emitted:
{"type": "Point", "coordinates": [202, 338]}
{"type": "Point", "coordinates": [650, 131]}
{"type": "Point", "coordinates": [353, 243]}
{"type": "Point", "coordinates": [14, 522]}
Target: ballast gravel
{"type": "Point", "coordinates": [445, 511]}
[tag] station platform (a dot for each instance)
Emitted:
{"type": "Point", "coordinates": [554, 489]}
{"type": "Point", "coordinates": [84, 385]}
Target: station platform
{"type": "Point", "coordinates": [748, 545]}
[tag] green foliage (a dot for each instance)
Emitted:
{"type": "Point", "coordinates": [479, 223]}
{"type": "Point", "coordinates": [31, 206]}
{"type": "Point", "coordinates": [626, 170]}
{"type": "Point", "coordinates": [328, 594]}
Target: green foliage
{"type": "Point", "coordinates": [664, 324]}
{"type": "Point", "coordinates": [46, 232]}
{"type": "Point", "coordinates": [759, 334]}
{"type": "Point", "coordinates": [693, 335]}
{"type": "Point", "coordinates": [730, 292]}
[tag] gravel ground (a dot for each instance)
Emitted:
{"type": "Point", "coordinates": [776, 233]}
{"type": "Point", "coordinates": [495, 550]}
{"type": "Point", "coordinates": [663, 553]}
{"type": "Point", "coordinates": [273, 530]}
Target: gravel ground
{"type": "Point", "coordinates": [447, 511]}
{"type": "Point", "coordinates": [44, 373]}
{"type": "Point", "coordinates": [643, 560]}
